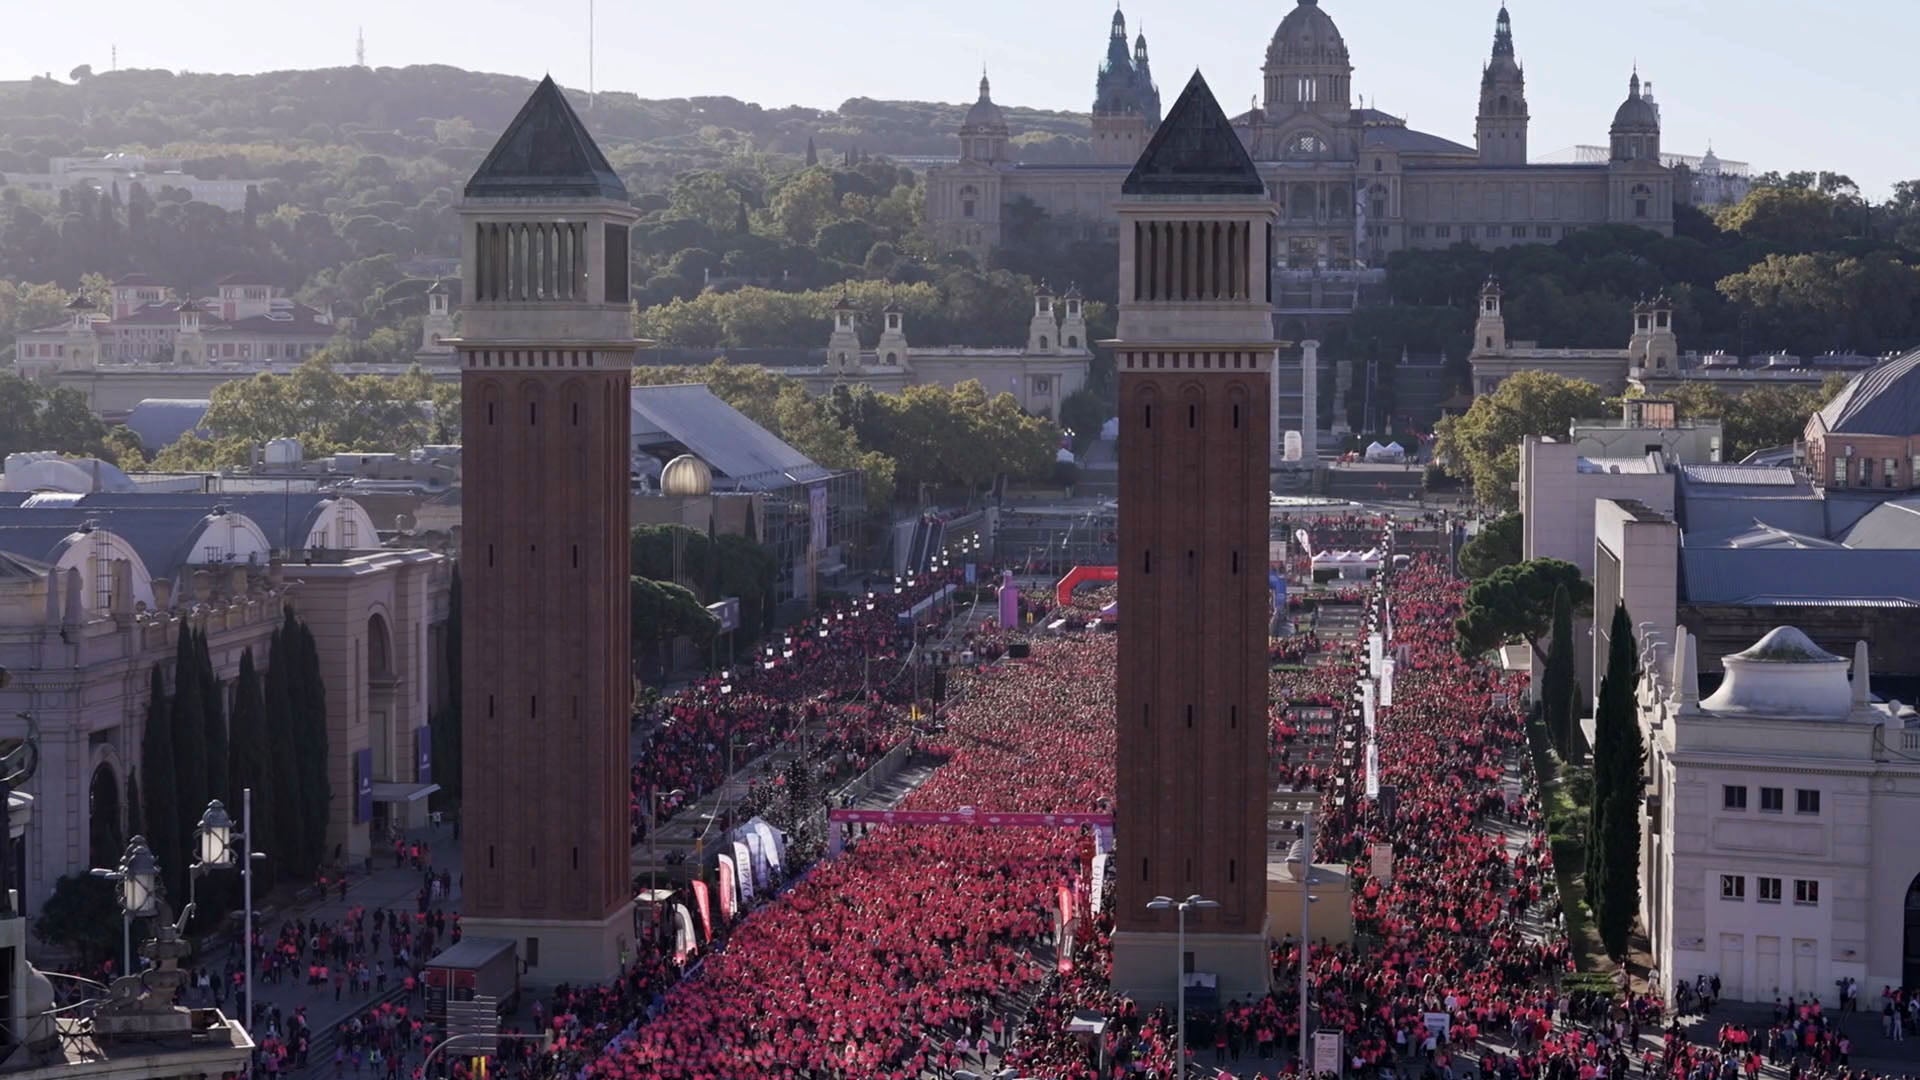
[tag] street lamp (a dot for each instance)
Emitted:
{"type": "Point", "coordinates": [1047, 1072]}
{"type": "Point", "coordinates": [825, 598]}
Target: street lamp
{"type": "Point", "coordinates": [219, 847]}
{"type": "Point", "coordinates": [1179, 907]}
{"type": "Point", "coordinates": [137, 879]}
{"type": "Point", "coordinates": [653, 832]}
{"type": "Point", "coordinates": [1307, 899]}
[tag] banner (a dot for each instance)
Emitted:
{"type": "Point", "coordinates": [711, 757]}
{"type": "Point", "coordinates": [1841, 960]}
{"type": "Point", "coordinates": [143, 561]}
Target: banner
{"type": "Point", "coordinates": [1326, 1053]}
{"type": "Point", "coordinates": [1376, 647]}
{"type": "Point", "coordinates": [1386, 682]}
{"type": "Point", "coordinates": [1066, 914]}
{"type": "Point", "coordinates": [1306, 543]}
{"type": "Point", "coordinates": [683, 940]}
{"type": "Point", "coordinates": [743, 878]}
{"type": "Point", "coordinates": [1373, 770]}
{"type": "Point", "coordinates": [836, 839]}
{"type": "Point", "coordinates": [363, 785]}
{"type": "Point", "coordinates": [1009, 601]}
{"type": "Point", "coordinates": [757, 852]}
{"type": "Point", "coordinates": [967, 815]}
{"type": "Point", "coordinates": [1277, 585]}
{"type": "Point", "coordinates": [423, 755]}
{"type": "Point", "coordinates": [972, 572]}
{"type": "Point", "coordinates": [817, 516]}
{"type": "Point", "coordinates": [1099, 884]}
{"type": "Point", "coordinates": [1381, 858]}
{"type": "Point", "coordinates": [729, 894]}
{"type": "Point", "coordinates": [701, 901]}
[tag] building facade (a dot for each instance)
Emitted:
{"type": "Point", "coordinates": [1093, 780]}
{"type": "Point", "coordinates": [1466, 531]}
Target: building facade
{"type": "Point", "coordinates": [1778, 853]}
{"type": "Point", "coordinates": [546, 361]}
{"type": "Point", "coordinates": [1651, 350]}
{"type": "Point", "coordinates": [244, 322]}
{"type": "Point", "coordinates": [1350, 184]}
{"type": "Point", "coordinates": [1195, 356]}
{"type": "Point", "coordinates": [1040, 375]}
{"type": "Point", "coordinates": [1868, 436]}
{"type": "Point", "coordinates": [95, 590]}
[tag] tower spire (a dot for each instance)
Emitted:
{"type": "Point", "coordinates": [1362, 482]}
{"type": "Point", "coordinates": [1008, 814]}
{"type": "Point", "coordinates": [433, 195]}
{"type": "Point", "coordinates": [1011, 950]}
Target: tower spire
{"type": "Point", "coordinates": [359, 47]}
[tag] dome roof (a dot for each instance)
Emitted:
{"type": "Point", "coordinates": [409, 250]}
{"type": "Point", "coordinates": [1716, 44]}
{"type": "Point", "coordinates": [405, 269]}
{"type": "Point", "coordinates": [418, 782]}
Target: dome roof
{"type": "Point", "coordinates": [1307, 36]}
{"type": "Point", "coordinates": [1784, 676]}
{"type": "Point", "coordinates": [686, 475]}
{"type": "Point", "coordinates": [985, 116]}
{"type": "Point", "coordinates": [1636, 113]}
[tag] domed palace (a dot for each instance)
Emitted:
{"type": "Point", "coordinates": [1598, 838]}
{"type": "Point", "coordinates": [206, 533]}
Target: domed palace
{"type": "Point", "coordinates": [1353, 184]}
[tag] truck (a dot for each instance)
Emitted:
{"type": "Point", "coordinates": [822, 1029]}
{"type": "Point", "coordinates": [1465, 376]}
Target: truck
{"type": "Point", "coordinates": [475, 967]}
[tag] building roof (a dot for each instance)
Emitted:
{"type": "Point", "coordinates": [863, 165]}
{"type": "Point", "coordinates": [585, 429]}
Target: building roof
{"type": "Point", "coordinates": [287, 517]}
{"type": "Point", "coordinates": [163, 536]}
{"type": "Point", "coordinates": [984, 117]}
{"type": "Point", "coordinates": [738, 450]}
{"type": "Point", "coordinates": [1892, 524]}
{"type": "Point", "coordinates": [1307, 35]}
{"type": "Point", "coordinates": [1402, 139]}
{"type": "Point", "coordinates": [160, 422]}
{"type": "Point", "coordinates": [1762, 535]}
{"type": "Point", "coordinates": [1881, 401]}
{"type": "Point", "coordinates": [1746, 475]}
{"type": "Point", "coordinates": [1646, 465]}
{"type": "Point", "coordinates": [41, 543]}
{"type": "Point", "coordinates": [1195, 152]}
{"type": "Point", "coordinates": [1636, 113]}
{"type": "Point", "coordinates": [546, 153]}
{"type": "Point", "coordinates": [1724, 575]}
{"type": "Point", "coordinates": [16, 567]}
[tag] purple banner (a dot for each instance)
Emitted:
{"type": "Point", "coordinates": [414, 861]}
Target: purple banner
{"type": "Point", "coordinates": [423, 755]}
{"type": "Point", "coordinates": [1009, 601]}
{"type": "Point", "coordinates": [363, 785]}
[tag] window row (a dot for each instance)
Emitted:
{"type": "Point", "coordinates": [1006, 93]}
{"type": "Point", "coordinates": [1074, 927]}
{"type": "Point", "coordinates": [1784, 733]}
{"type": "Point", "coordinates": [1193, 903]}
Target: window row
{"type": "Point", "coordinates": [1773, 800]}
{"type": "Point", "coordinates": [1733, 887]}
{"type": "Point", "coordinates": [1192, 260]}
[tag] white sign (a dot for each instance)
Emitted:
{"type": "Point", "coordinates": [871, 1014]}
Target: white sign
{"type": "Point", "coordinates": [1438, 1022]}
{"type": "Point", "coordinates": [1326, 1053]}
{"type": "Point", "coordinates": [727, 614]}
{"type": "Point", "coordinates": [1382, 860]}
{"type": "Point", "coordinates": [1386, 682]}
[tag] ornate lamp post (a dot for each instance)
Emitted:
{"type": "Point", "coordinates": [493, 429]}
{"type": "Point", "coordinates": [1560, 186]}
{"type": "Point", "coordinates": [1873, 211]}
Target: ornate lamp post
{"type": "Point", "coordinates": [217, 846]}
{"type": "Point", "coordinates": [137, 878]}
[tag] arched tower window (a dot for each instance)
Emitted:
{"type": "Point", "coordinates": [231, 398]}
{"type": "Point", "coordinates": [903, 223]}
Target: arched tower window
{"type": "Point", "coordinates": [1642, 200]}
{"type": "Point", "coordinates": [969, 195]}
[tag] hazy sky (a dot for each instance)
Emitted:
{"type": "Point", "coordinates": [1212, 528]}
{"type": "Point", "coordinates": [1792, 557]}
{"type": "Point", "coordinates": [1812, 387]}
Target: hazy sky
{"type": "Point", "coordinates": [1779, 83]}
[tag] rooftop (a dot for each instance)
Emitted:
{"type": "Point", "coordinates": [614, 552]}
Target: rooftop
{"type": "Point", "coordinates": [546, 153]}
{"type": "Point", "coordinates": [1883, 401]}
{"type": "Point", "coordinates": [690, 417]}
{"type": "Point", "coordinates": [1195, 152]}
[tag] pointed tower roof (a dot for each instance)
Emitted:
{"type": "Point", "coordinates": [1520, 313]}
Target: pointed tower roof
{"type": "Point", "coordinates": [1195, 152]}
{"type": "Point", "coordinates": [546, 152]}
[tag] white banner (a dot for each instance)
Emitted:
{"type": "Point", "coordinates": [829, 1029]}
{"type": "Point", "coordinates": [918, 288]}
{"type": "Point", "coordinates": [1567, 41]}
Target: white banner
{"type": "Point", "coordinates": [1366, 707]}
{"type": "Point", "coordinates": [1380, 856]}
{"type": "Point", "coordinates": [1099, 889]}
{"type": "Point", "coordinates": [1376, 647]}
{"type": "Point", "coordinates": [743, 872]}
{"type": "Point", "coordinates": [1326, 1053]}
{"type": "Point", "coordinates": [1373, 770]}
{"type": "Point", "coordinates": [1386, 683]}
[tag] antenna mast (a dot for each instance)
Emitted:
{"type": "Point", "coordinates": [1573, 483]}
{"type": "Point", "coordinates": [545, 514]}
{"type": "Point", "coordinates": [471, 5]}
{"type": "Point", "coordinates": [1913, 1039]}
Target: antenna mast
{"type": "Point", "coordinates": [359, 47]}
{"type": "Point", "coordinates": [590, 44]}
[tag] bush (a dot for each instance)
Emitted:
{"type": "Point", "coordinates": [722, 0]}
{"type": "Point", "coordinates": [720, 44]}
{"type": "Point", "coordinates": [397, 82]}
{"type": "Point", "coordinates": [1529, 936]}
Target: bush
{"type": "Point", "coordinates": [81, 915]}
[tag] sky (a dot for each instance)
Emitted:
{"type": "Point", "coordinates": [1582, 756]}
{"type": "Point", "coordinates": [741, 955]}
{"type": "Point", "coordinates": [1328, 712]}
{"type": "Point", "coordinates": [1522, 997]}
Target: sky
{"type": "Point", "coordinates": [1782, 84]}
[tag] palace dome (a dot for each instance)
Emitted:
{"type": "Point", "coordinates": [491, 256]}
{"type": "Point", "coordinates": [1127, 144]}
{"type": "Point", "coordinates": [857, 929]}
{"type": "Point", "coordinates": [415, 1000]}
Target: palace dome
{"type": "Point", "coordinates": [1636, 113]}
{"type": "Point", "coordinates": [984, 116]}
{"type": "Point", "coordinates": [1786, 676]}
{"type": "Point", "coordinates": [1307, 36]}
{"type": "Point", "coordinates": [687, 477]}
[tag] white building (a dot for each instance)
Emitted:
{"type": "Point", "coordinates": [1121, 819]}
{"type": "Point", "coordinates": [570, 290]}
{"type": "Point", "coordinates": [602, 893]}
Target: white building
{"type": "Point", "coordinates": [121, 171]}
{"type": "Point", "coordinates": [1778, 852]}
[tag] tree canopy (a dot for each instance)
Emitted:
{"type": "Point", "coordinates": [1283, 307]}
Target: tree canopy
{"type": "Point", "coordinates": [1497, 544]}
{"type": "Point", "coordinates": [1515, 603]}
{"type": "Point", "coordinates": [1482, 445]}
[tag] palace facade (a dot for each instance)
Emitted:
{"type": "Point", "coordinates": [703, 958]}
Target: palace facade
{"type": "Point", "coordinates": [1350, 184]}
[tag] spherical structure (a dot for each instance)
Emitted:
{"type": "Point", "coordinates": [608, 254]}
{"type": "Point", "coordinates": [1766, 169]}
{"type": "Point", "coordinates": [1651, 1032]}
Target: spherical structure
{"type": "Point", "coordinates": [1636, 114]}
{"type": "Point", "coordinates": [984, 117]}
{"type": "Point", "coordinates": [1307, 36]}
{"type": "Point", "coordinates": [686, 475]}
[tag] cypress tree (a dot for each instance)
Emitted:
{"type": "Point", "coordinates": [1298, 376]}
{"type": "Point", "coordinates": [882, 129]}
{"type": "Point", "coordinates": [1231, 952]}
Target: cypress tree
{"type": "Point", "coordinates": [283, 789]}
{"type": "Point", "coordinates": [446, 726]}
{"type": "Point", "coordinates": [217, 740]}
{"type": "Point", "coordinates": [136, 811]}
{"type": "Point", "coordinates": [1556, 683]}
{"type": "Point", "coordinates": [189, 731]}
{"type": "Point", "coordinates": [310, 742]}
{"type": "Point", "coordinates": [156, 760]}
{"type": "Point", "coordinates": [1618, 838]}
{"type": "Point", "coordinates": [249, 762]}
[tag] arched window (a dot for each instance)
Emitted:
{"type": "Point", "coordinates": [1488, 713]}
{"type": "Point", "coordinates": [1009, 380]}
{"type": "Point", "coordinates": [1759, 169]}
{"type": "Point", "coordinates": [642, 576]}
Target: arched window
{"type": "Point", "coordinates": [968, 195]}
{"type": "Point", "coordinates": [1043, 342]}
{"type": "Point", "coordinates": [1642, 200]}
{"type": "Point", "coordinates": [892, 359]}
{"type": "Point", "coordinates": [1502, 107]}
{"type": "Point", "coordinates": [1073, 341]}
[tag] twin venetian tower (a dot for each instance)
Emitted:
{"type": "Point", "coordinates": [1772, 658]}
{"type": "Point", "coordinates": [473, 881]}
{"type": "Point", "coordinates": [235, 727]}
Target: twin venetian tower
{"type": "Point", "coordinates": [546, 354]}
{"type": "Point", "coordinates": [1196, 356]}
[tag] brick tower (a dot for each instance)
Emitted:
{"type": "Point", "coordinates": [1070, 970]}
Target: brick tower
{"type": "Point", "coordinates": [545, 361]}
{"type": "Point", "coordinates": [1196, 354]}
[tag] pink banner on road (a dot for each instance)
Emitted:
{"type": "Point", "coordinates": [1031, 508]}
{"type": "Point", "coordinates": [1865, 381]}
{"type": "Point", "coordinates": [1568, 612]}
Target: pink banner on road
{"type": "Point", "coordinates": [967, 815]}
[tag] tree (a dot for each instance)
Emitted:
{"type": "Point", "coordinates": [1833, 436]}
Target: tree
{"type": "Point", "coordinates": [188, 727]}
{"type": "Point", "coordinates": [1483, 444]}
{"type": "Point", "coordinates": [309, 708]}
{"type": "Point", "coordinates": [83, 914]}
{"type": "Point", "coordinates": [813, 154]}
{"type": "Point", "coordinates": [803, 204]}
{"type": "Point", "coordinates": [1515, 603]}
{"type": "Point", "coordinates": [163, 804]}
{"type": "Point", "coordinates": [1619, 784]}
{"type": "Point", "coordinates": [663, 611]}
{"type": "Point", "coordinates": [216, 740]}
{"type": "Point", "coordinates": [1793, 218]}
{"type": "Point", "coordinates": [284, 788]}
{"type": "Point", "coordinates": [1834, 301]}
{"type": "Point", "coordinates": [1556, 681]}
{"type": "Point", "coordinates": [1497, 544]}
{"type": "Point", "coordinates": [249, 758]}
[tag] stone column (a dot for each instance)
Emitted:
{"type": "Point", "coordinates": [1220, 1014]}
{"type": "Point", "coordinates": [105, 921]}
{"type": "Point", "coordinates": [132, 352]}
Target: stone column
{"type": "Point", "coordinates": [1309, 403]}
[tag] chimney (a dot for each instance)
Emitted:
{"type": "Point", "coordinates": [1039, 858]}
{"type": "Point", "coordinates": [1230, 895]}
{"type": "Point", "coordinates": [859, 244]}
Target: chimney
{"type": "Point", "coordinates": [121, 604]}
{"type": "Point", "coordinates": [76, 599]}
{"type": "Point", "coordinates": [53, 596]}
{"type": "Point", "coordinates": [1690, 675]}
{"type": "Point", "coordinates": [1862, 695]}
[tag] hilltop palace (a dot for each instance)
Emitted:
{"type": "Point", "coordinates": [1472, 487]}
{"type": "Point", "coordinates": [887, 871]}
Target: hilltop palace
{"type": "Point", "coordinates": [1351, 184]}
